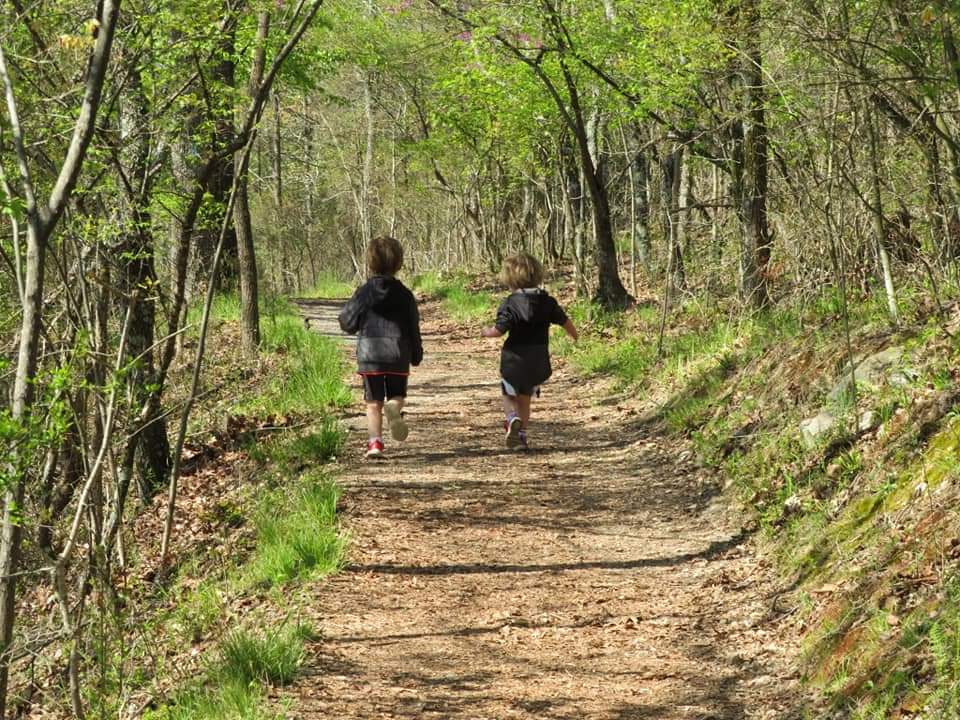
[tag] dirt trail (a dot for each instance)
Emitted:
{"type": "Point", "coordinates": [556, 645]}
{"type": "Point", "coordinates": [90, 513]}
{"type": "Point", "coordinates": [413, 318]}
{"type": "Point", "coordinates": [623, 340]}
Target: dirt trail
{"type": "Point", "coordinates": [597, 576]}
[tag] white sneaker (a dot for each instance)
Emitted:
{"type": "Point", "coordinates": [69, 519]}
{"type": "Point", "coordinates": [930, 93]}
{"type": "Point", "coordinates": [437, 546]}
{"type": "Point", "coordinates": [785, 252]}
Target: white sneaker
{"type": "Point", "coordinates": [398, 426]}
{"type": "Point", "coordinates": [514, 433]}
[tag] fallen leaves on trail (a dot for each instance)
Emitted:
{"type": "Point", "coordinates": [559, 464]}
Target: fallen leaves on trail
{"type": "Point", "coordinates": [597, 577]}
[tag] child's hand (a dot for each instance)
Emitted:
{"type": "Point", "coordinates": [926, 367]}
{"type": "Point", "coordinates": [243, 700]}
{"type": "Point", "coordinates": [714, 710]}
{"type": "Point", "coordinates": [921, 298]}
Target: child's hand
{"type": "Point", "coordinates": [490, 332]}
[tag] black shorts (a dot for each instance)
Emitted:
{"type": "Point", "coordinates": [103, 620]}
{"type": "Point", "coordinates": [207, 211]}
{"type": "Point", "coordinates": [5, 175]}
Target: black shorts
{"type": "Point", "coordinates": [506, 388]}
{"type": "Point", "coordinates": [377, 388]}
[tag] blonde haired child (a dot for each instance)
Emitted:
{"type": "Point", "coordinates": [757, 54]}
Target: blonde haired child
{"type": "Point", "coordinates": [524, 316]}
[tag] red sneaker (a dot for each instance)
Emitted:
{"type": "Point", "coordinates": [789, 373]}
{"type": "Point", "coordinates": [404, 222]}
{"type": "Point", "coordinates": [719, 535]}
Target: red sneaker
{"type": "Point", "coordinates": [374, 449]}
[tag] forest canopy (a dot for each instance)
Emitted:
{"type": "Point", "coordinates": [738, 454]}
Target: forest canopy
{"type": "Point", "coordinates": [157, 153]}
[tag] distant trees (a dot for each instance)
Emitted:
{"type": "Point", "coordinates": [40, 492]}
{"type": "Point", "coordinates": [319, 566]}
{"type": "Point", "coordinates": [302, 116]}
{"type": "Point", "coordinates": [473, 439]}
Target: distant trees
{"type": "Point", "coordinates": [745, 150]}
{"type": "Point", "coordinates": [120, 121]}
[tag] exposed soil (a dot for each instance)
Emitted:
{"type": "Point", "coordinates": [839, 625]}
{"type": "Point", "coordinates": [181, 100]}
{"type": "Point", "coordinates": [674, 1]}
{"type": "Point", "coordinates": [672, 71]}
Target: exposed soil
{"type": "Point", "coordinates": [600, 575]}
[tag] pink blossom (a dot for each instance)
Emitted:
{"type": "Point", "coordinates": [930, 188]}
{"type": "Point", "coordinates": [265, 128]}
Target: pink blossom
{"type": "Point", "coordinates": [465, 36]}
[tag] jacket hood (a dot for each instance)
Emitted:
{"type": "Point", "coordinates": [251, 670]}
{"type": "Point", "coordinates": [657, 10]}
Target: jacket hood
{"type": "Point", "coordinates": [384, 292]}
{"type": "Point", "coordinates": [533, 305]}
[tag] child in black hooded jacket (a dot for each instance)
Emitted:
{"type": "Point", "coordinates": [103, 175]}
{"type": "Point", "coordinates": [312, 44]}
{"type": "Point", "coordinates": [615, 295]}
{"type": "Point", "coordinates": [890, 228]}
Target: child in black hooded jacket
{"type": "Point", "coordinates": [383, 312]}
{"type": "Point", "coordinates": [525, 317]}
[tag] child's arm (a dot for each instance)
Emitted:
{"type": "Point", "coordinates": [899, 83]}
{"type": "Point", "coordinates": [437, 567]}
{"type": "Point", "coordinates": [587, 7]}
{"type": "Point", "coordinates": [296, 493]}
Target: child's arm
{"type": "Point", "coordinates": [416, 339]}
{"type": "Point", "coordinates": [351, 314]}
{"type": "Point", "coordinates": [570, 329]}
{"type": "Point", "coordinates": [503, 323]}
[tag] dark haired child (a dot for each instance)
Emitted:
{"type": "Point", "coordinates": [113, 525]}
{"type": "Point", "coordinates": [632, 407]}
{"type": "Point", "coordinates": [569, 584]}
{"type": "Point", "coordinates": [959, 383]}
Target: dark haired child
{"type": "Point", "coordinates": [524, 317]}
{"type": "Point", "coordinates": [383, 312]}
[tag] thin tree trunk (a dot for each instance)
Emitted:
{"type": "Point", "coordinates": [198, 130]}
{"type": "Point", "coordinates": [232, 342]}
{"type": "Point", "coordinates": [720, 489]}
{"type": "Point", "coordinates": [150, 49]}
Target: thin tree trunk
{"type": "Point", "coordinates": [42, 220]}
{"type": "Point", "coordinates": [878, 219]}
{"type": "Point", "coordinates": [755, 233]}
{"type": "Point", "coordinates": [246, 251]}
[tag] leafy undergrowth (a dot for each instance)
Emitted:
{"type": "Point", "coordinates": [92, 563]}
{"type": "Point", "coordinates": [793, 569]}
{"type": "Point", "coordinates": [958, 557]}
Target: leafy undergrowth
{"type": "Point", "coordinates": [206, 634]}
{"type": "Point", "coordinates": [329, 286]}
{"type": "Point", "coordinates": [863, 516]}
{"type": "Point", "coordinates": [465, 299]}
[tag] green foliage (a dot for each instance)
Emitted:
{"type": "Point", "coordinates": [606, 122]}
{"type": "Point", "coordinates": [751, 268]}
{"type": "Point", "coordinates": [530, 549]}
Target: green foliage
{"type": "Point", "coordinates": [198, 613]}
{"type": "Point", "coordinates": [459, 301]}
{"type": "Point", "coordinates": [225, 308]}
{"type": "Point", "coordinates": [945, 648]}
{"type": "Point", "coordinates": [272, 658]}
{"type": "Point", "coordinates": [234, 687]}
{"type": "Point", "coordinates": [297, 533]}
{"type": "Point", "coordinates": [320, 446]}
{"type": "Point", "coordinates": [231, 701]}
{"type": "Point", "coordinates": [313, 380]}
{"type": "Point", "coordinates": [328, 286]}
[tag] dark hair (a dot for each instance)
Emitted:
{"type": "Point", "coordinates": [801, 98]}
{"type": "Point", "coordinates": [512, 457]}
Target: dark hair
{"type": "Point", "coordinates": [521, 271]}
{"type": "Point", "coordinates": [384, 256]}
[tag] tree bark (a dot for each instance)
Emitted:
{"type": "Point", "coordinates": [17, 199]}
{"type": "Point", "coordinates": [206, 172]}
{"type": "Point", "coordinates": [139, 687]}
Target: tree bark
{"type": "Point", "coordinates": [42, 220]}
{"type": "Point", "coordinates": [246, 252]}
{"type": "Point", "coordinates": [610, 291]}
{"type": "Point", "coordinates": [752, 175]}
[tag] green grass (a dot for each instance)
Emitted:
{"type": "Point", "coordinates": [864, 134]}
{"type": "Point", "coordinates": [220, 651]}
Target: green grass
{"type": "Point", "coordinates": [270, 658]}
{"type": "Point", "coordinates": [459, 301]}
{"type": "Point", "coordinates": [198, 613]}
{"type": "Point", "coordinates": [234, 685]}
{"type": "Point", "coordinates": [328, 286]}
{"type": "Point", "coordinates": [313, 379]}
{"type": "Point", "coordinates": [297, 533]}
{"type": "Point", "coordinates": [230, 701]}
{"type": "Point", "coordinates": [225, 308]}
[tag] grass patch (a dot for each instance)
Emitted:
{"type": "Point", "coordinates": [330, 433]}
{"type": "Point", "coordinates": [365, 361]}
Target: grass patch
{"type": "Point", "coordinates": [273, 658]}
{"type": "Point", "coordinates": [198, 613]}
{"type": "Point", "coordinates": [225, 308]}
{"type": "Point", "coordinates": [231, 701]}
{"type": "Point", "coordinates": [303, 542]}
{"type": "Point", "coordinates": [234, 685]}
{"type": "Point", "coordinates": [313, 377]}
{"type": "Point", "coordinates": [330, 286]}
{"type": "Point", "coordinates": [459, 301]}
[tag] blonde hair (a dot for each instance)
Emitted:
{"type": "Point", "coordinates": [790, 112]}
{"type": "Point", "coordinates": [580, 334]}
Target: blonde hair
{"type": "Point", "coordinates": [521, 271]}
{"type": "Point", "coordinates": [384, 256]}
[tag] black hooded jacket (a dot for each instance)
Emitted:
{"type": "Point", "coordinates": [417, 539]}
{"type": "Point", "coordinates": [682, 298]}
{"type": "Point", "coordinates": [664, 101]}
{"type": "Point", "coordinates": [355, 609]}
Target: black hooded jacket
{"type": "Point", "coordinates": [526, 316]}
{"type": "Point", "coordinates": [384, 314]}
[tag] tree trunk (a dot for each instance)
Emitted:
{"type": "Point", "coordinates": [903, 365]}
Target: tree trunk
{"type": "Point", "coordinates": [672, 167]}
{"type": "Point", "coordinates": [755, 244]}
{"type": "Point", "coordinates": [224, 74]}
{"type": "Point", "coordinates": [42, 220]}
{"type": "Point", "coordinates": [610, 292]}
{"type": "Point", "coordinates": [879, 222]}
{"type": "Point", "coordinates": [246, 252]}
{"type": "Point", "coordinates": [640, 173]}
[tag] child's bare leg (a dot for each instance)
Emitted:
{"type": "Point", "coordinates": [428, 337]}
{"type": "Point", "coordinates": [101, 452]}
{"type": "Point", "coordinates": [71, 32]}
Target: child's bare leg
{"type": "Point", "coordinates": [375, 419]}
{"type": "Point", "coordinates": [510, 406]}
{"type": "Point", "coordinates": [523, 409]}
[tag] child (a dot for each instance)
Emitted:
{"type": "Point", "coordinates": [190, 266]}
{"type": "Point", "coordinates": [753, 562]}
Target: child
{"type": "Point", "coordinates": [525, 317]}
{"type": "Point", "coordinates": [384, 313]}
